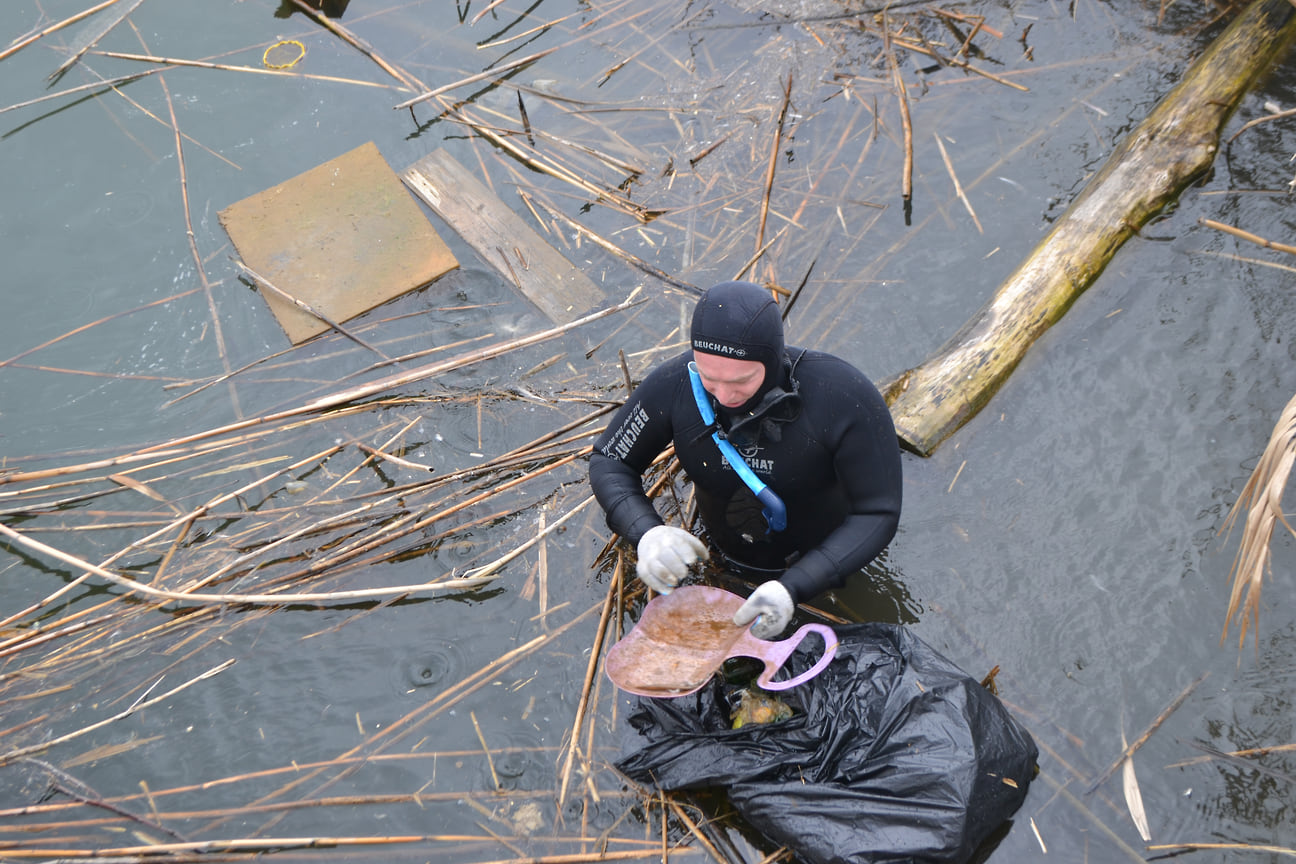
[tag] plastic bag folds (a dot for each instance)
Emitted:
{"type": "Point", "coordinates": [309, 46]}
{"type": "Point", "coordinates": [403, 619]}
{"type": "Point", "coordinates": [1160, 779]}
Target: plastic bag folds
{"type": "Point", "coordinates": [893, 754]}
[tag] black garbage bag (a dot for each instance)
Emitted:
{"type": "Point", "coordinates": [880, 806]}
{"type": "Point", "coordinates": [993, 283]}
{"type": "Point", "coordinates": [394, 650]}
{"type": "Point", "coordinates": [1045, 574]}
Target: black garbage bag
{"type": "Point", "coordinates": [893, 754]}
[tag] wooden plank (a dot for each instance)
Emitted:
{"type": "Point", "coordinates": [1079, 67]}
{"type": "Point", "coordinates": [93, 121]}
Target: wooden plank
{"type": "Point", "coordinates": [502, 239]}
{"type": "Point", "coordinates": [341, 238]}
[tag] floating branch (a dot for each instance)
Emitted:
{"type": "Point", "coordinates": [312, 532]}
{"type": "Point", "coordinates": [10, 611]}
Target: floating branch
{"type": "Point", "coordinates": [1159, 158]}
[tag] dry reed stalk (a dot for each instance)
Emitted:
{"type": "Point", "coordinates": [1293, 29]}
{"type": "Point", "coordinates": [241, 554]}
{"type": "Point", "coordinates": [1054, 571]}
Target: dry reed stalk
{"type": "Point", "coordinates": [103, 83]}
{"type": "Point", "coordinates": [226, 67]}
{"type": "Point", "coordinates": [490, 7]}
{"type": "Point", "coordinates": [977, 20]}
{"type": "Point", "coordinates": [490, 760]}
{"type": "Point", "coordinates": [902, 96]}
{"type": "Point", "coordinates": [542, 568]}
{"type": "Point", "coordinates": [343, 478]}
{"type": "Point", "coordinates": [617, 251]}
{"type": "Point", "coordinates": [217, 333]}
{"type": "Point", "coordinates": [93, 35]}
{"type": "Point", "coordinates": [1247, 236]}
{"type": "Point", "coordinates": [104, 320]}
{"type": "Point", "coordinates": [37, 636]}
{"type": "Point", "coordinates": [160, 594]}
{"type": "Point", "coordinates": [591, 669]}
{"type": "Point", "coordinates": [81, 651]}
{"type": "Point", "coordinates": [527, 34]}
{"type": "Point", "coordinates": [495, 72]}
{"type": "Point", "coordinates": [1062, 791]}
{"type": "Point", "coordinates": [483, 571]}
{"type": "Point", "coordinates": [617, 590]}
{"type": "Point", "coordinates": [695, 830]}
{"type": "Point", "coordinates": [70, 786]}
{"type": "Point", "coordinates": [404, 358]}
{"type": "Point", "coordinates": [958, 188]}
{"type": "Point", "coordinates": [447, 698]}
{"type": "Point", "coordinates": [775, 147]}
{"type": "Point", "coordinates": [203, 510]}
{"type": "Point", "coordinates": [547, 165]}
{"type": "Point", "coordinates": [520, 456]}
{"type": "Point", "coordinates": [848, 129]}
{"type": "Point", "coordinates": [751, 262]}
{"type": "Point", "coordinates": [1142, 739]}
{"type": "Point", "coordinates": [412, 523]}
{"type": "Point", "coordinates": [606, 158]}
{"type": "Point", "coordinates": [55, 807]}
{"type": "Point", "coordinates": [1252, 751]}
{"type": "Point", "coordinates": [345, 35]}
{"type": "Point", "coordinates": [1261, 499]}
{"type": "Point", "coordinates": [208, 847]}
{"type": "Point", "coordinates": [373, 388]}
{"type": "Point", "coordinates": [962, 64]}
{"type": "Point", "coordinates": [596, 857]}
{"type": "Point", "coordinates": [263, 282]}
{"type": "Point", "coordinates": [1287, 851]}
{"type": "Point", "coordinates": [6, 758]}
{"type": "Point", "coordinates": [54, 28]}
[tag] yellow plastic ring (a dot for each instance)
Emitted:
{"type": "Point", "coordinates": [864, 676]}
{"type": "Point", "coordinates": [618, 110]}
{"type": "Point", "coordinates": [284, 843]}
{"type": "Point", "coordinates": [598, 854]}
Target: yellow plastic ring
{"type": "Point", "coordinates": [265, 58]}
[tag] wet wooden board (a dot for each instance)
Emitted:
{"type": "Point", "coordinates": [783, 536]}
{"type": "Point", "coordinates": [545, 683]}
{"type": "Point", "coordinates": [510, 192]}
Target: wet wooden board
{"type": "Point", "coordinates": [502, 239]}
{"type": "Point", "coordinates": [343, 237]}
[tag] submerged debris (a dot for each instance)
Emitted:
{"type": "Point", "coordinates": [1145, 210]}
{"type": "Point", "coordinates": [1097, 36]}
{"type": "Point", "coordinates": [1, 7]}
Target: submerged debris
{"type": "Point", "coordinates": [757, 706]}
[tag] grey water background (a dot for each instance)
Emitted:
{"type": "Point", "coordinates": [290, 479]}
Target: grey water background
{"type": "Point", "coordinates": [1070, 534]}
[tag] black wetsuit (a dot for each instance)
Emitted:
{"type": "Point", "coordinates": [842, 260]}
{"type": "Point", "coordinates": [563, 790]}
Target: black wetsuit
{"type": "Point", "coordinates": [823, 441]}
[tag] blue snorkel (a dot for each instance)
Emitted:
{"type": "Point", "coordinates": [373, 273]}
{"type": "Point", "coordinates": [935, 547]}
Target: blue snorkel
{"type": "Point", "coordinates": [774, 511]}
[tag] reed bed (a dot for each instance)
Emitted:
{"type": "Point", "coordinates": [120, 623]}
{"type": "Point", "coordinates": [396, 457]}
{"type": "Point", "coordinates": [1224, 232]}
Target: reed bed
{"type": "Point", "coordinates": [166, 552]}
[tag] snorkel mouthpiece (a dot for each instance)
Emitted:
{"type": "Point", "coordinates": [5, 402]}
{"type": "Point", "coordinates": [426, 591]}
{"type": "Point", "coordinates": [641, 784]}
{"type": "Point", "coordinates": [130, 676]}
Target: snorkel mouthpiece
{"type": "Point", "coordinates": [774, 511]}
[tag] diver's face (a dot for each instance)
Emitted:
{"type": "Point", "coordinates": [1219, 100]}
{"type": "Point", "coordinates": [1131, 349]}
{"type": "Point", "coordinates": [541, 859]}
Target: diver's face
{"type": "Point", "coordinates": [731, 381]}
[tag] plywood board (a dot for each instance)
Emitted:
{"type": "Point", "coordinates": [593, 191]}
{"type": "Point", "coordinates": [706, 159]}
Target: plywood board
{"type": "Point", "coordinates": [502, 239]}
{"type": "Point", "coordinates": [343, 237]}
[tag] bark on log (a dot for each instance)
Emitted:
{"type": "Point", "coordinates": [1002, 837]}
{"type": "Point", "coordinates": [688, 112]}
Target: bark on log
{"type": "Point", "coordinates": [1174, 145]}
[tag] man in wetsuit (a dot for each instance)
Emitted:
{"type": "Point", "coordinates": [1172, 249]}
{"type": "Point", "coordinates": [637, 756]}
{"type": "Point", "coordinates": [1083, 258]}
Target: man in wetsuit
{"type": "Point", "coordinates": [811, 428]}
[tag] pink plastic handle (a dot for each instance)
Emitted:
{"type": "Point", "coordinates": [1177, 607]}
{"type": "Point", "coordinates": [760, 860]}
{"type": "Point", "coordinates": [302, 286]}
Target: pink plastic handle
{"type": "Point", "coordinates": [777, 653]}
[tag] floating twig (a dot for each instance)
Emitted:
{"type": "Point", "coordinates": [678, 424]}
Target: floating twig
{"type": "Point", "coordinates": [54, 28]}
{"type": "Point", "coordinates": [493, 72]}
{"type": "Point", "coordinates": [94, 34]}
{"type": "Point", "coordinates": [355, 42]}
{"type": "Point", "coordinates": [591, 668]}
{"type": "Point", "coordinates": [226, 67]}
{"type": "Point", "coordinates": [6, 758]}
{"type": "Point", "coordinates": [775, 148]}
{"type": "Point", "coordinates": [958, 189]}
{"type": "Point", "coordinates": [263, 282]}
{"type": "Point", "coordinates": [1247, 236]}
{"type": "Point", "coordinates": [1142, 739]}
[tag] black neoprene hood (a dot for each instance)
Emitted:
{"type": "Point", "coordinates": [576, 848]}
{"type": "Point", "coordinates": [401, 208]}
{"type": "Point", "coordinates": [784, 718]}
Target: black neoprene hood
{"type": "Point", "coordinates": [741, 320]}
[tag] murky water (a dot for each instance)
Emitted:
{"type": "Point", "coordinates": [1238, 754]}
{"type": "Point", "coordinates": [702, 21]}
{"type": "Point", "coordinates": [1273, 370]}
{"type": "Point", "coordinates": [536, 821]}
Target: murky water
{"type": "Point", "coordinates": [1069, 534]}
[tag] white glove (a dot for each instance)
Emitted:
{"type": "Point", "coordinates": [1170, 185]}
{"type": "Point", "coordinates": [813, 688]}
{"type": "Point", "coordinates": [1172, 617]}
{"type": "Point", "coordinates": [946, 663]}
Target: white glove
{"type": "Point", "coordinates": [770, 606]}
{"type": "Point", "coordinates": [665, 555]}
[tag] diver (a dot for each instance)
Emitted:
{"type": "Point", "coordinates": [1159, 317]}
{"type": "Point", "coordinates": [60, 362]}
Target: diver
{"type": "Point", "coordinates": [792, 454]}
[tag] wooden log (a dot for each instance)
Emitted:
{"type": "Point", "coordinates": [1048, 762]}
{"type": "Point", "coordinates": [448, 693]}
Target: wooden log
{"type": "Point", "coordinates": [502, 239]}
{"type": "Point", "coordinates": [1174, 145]}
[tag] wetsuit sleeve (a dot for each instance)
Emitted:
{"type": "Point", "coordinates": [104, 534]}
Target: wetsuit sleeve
{"type": "Point", "coordinates": [866, 457]}
{"type": "Point", "coordinates": [638, 433]}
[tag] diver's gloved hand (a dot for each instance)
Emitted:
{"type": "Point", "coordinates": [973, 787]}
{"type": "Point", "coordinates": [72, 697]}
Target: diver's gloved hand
{"type": "Point", "coordinates": [770, 606]}
{"type": "Point", "coordinates": [665, 555]}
